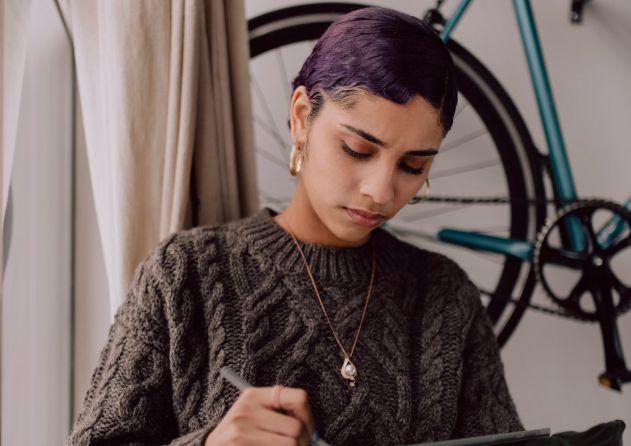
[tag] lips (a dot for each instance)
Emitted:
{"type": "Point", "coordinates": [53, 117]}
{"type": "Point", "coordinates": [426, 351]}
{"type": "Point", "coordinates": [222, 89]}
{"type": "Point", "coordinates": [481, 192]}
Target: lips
{"type": "Point", "coordinates": [369, 215]}
{"type": "Point", "coordinates": [363, 218]}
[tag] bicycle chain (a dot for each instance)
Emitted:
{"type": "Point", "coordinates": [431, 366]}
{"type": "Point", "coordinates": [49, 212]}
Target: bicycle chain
{"type": "Point", "coordinates": [505, 200]}
{"type": "Point", "coordinates": [542, 309]}
{"type": "Point", "coordinates": [535, 202]}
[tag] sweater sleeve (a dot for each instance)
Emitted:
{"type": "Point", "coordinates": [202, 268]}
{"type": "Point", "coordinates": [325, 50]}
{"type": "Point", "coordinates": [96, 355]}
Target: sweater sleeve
{"type": "Point", "coordinates": [128, 401]}
{"type": "Point", "coordinates": [485, 405]}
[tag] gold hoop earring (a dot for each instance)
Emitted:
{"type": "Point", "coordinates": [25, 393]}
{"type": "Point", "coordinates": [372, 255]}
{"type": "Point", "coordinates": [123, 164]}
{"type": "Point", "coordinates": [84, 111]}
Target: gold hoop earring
{"type": "Point", "coordinates": [295, 160]}
{"type": "Point", "coordinates": [417, 199]}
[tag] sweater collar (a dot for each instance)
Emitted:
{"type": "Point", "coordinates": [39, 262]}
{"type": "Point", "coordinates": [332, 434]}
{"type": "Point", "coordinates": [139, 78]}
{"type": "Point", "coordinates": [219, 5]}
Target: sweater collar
{"type": "Point", "coordinates": [275, 247]}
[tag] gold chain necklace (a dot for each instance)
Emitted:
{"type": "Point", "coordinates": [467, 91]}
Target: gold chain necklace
{"type": "Point", "coordinates": [348, 370]}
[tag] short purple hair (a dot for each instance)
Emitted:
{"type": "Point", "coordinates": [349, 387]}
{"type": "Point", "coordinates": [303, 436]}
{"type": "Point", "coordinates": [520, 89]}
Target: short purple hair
{"type": "Point", "coordinates": [385, 52]}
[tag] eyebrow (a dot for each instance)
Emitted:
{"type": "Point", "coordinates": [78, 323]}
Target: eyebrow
{"type": "Point", "coordinates": [373, 139]}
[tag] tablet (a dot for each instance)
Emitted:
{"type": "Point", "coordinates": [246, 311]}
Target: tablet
{"type": "Point", "coordinates": [494, 439]}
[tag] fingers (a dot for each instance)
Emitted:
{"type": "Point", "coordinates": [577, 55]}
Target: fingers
{"type": "Point", "coordinates": [244, 432]}
{"type": "Point", "coordinates": [271, 439]}
{"type": "Point", "coordinates": [278, 423]}
{"type": "Point", "coordinates": [254, 420]}
{"type": "Point", "coordinates": [297, 402]}
{"type": "Point", "coordinates": [292, 400]}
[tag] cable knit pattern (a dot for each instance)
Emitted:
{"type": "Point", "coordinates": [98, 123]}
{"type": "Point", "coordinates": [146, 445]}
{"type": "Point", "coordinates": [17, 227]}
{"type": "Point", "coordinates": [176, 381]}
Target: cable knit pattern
{"type": "Point", "coordinates": [238, 294]}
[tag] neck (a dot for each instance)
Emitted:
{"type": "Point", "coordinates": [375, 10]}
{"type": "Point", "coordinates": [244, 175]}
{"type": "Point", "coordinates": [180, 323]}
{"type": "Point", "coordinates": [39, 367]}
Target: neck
{"type": "Point", "coordinates": [273, 247]}
{"type": "Point", "coordinates": [301, 219]}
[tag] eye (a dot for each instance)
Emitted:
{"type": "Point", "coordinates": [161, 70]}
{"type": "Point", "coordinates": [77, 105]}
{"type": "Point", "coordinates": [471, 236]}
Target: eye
{"type": "Point", "coordinates": [412, 170]}
{"type": "Point", "coordinates": [364, 156]}
{"type": "Point", "coordinates": [354, 154]}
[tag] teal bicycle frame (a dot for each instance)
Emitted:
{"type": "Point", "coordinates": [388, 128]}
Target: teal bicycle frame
{"type": "Point", "coordinates": [563, 181]}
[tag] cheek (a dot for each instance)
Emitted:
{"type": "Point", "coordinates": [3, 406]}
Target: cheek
{"type": "Point", "coordinates": [410, 185]}
{"type": "Point", "coordinates": [403, 186]}
{"type": "Point", "coordinates": [343, 169]}
{"type": "Point", "coordinates": [334, 170]}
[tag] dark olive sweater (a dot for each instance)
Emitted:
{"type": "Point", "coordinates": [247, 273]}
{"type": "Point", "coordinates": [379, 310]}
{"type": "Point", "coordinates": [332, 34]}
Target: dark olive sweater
{"type": "Point", "coordinates": [238, 294]}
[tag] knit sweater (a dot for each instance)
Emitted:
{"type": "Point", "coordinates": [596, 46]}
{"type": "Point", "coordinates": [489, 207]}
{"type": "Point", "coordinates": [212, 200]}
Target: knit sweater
{"type": "Point", "coordinates": [238, 294]}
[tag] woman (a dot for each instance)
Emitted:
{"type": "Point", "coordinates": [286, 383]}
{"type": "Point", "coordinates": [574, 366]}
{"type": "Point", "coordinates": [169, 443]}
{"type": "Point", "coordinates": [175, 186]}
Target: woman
{"type": "Point", "coordinates": [340, 326]}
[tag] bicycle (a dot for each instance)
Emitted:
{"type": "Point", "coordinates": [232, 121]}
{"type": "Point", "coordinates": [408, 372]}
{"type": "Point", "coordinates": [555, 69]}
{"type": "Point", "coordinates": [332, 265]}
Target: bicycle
{"type": "Point", "coordinates": [527, 184]}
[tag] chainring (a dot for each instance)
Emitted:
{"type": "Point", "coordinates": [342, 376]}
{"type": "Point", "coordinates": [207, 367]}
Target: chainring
{"type": "Point", "coordinates": [594, 256]}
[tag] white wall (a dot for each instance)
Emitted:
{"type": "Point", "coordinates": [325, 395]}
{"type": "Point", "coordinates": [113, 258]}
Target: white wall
{"type": "Point", "coordinates": [552, 364]}
{"type": "Point", "coordinates": [36, 373]}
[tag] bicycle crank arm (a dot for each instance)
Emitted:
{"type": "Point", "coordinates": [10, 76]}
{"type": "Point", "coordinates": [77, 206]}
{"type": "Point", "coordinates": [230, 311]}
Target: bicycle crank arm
{"type": "Point", "coordinates": [616, 373]}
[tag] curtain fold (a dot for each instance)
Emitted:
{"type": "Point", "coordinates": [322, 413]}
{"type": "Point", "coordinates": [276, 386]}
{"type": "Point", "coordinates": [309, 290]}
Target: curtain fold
{"type": "Point", "coordinates": [229, 84]}
{"type": "Point", "coordinates": [164, 92]}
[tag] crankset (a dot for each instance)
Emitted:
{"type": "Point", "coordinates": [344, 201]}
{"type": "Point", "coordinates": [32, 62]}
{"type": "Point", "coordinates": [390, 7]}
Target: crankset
{"type": "Point", "coordinates": [600, 294]}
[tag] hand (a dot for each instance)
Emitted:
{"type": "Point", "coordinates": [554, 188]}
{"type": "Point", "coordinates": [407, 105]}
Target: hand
{"type": "Point", "coordinates": [252, 420]}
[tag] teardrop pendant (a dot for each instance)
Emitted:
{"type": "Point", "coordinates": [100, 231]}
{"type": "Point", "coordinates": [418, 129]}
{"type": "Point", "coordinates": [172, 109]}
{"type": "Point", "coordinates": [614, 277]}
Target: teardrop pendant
{"type": "Point", "coordinates": [349, 371]}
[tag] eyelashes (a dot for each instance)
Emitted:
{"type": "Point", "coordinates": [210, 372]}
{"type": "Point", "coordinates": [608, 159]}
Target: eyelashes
{"type": "Point", "coordinates": [365, 156]}
{"type": "Point", "coordinates": [354, 154]}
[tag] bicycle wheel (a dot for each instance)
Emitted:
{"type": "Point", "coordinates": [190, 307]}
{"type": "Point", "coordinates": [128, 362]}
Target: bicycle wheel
{"type": "Point", "coordinates": [488, 152]}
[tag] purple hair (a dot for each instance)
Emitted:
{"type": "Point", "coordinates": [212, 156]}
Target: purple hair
{"type": "Point", "coordinates": [385, 52]}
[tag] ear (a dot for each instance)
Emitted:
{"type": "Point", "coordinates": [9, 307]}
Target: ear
{"type": "Point", "coordinates": [298, 112]}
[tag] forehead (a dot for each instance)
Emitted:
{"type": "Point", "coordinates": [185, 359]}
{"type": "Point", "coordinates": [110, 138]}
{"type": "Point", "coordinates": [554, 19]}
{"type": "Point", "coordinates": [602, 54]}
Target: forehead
{"type": "Point", "coordinates": [411, 124]}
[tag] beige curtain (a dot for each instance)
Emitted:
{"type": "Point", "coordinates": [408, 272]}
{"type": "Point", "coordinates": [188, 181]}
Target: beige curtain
{"type": "Point", "coordinates": [165, 99]}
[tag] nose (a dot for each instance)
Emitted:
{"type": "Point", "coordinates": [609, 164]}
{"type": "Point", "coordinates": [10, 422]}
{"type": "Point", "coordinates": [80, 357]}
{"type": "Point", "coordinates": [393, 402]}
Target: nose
{"type": "Point", "coordinates": [379, 185]}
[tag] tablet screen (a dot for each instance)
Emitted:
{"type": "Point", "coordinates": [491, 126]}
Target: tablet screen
{"type": "Point", "coordinates": [494, 439]}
